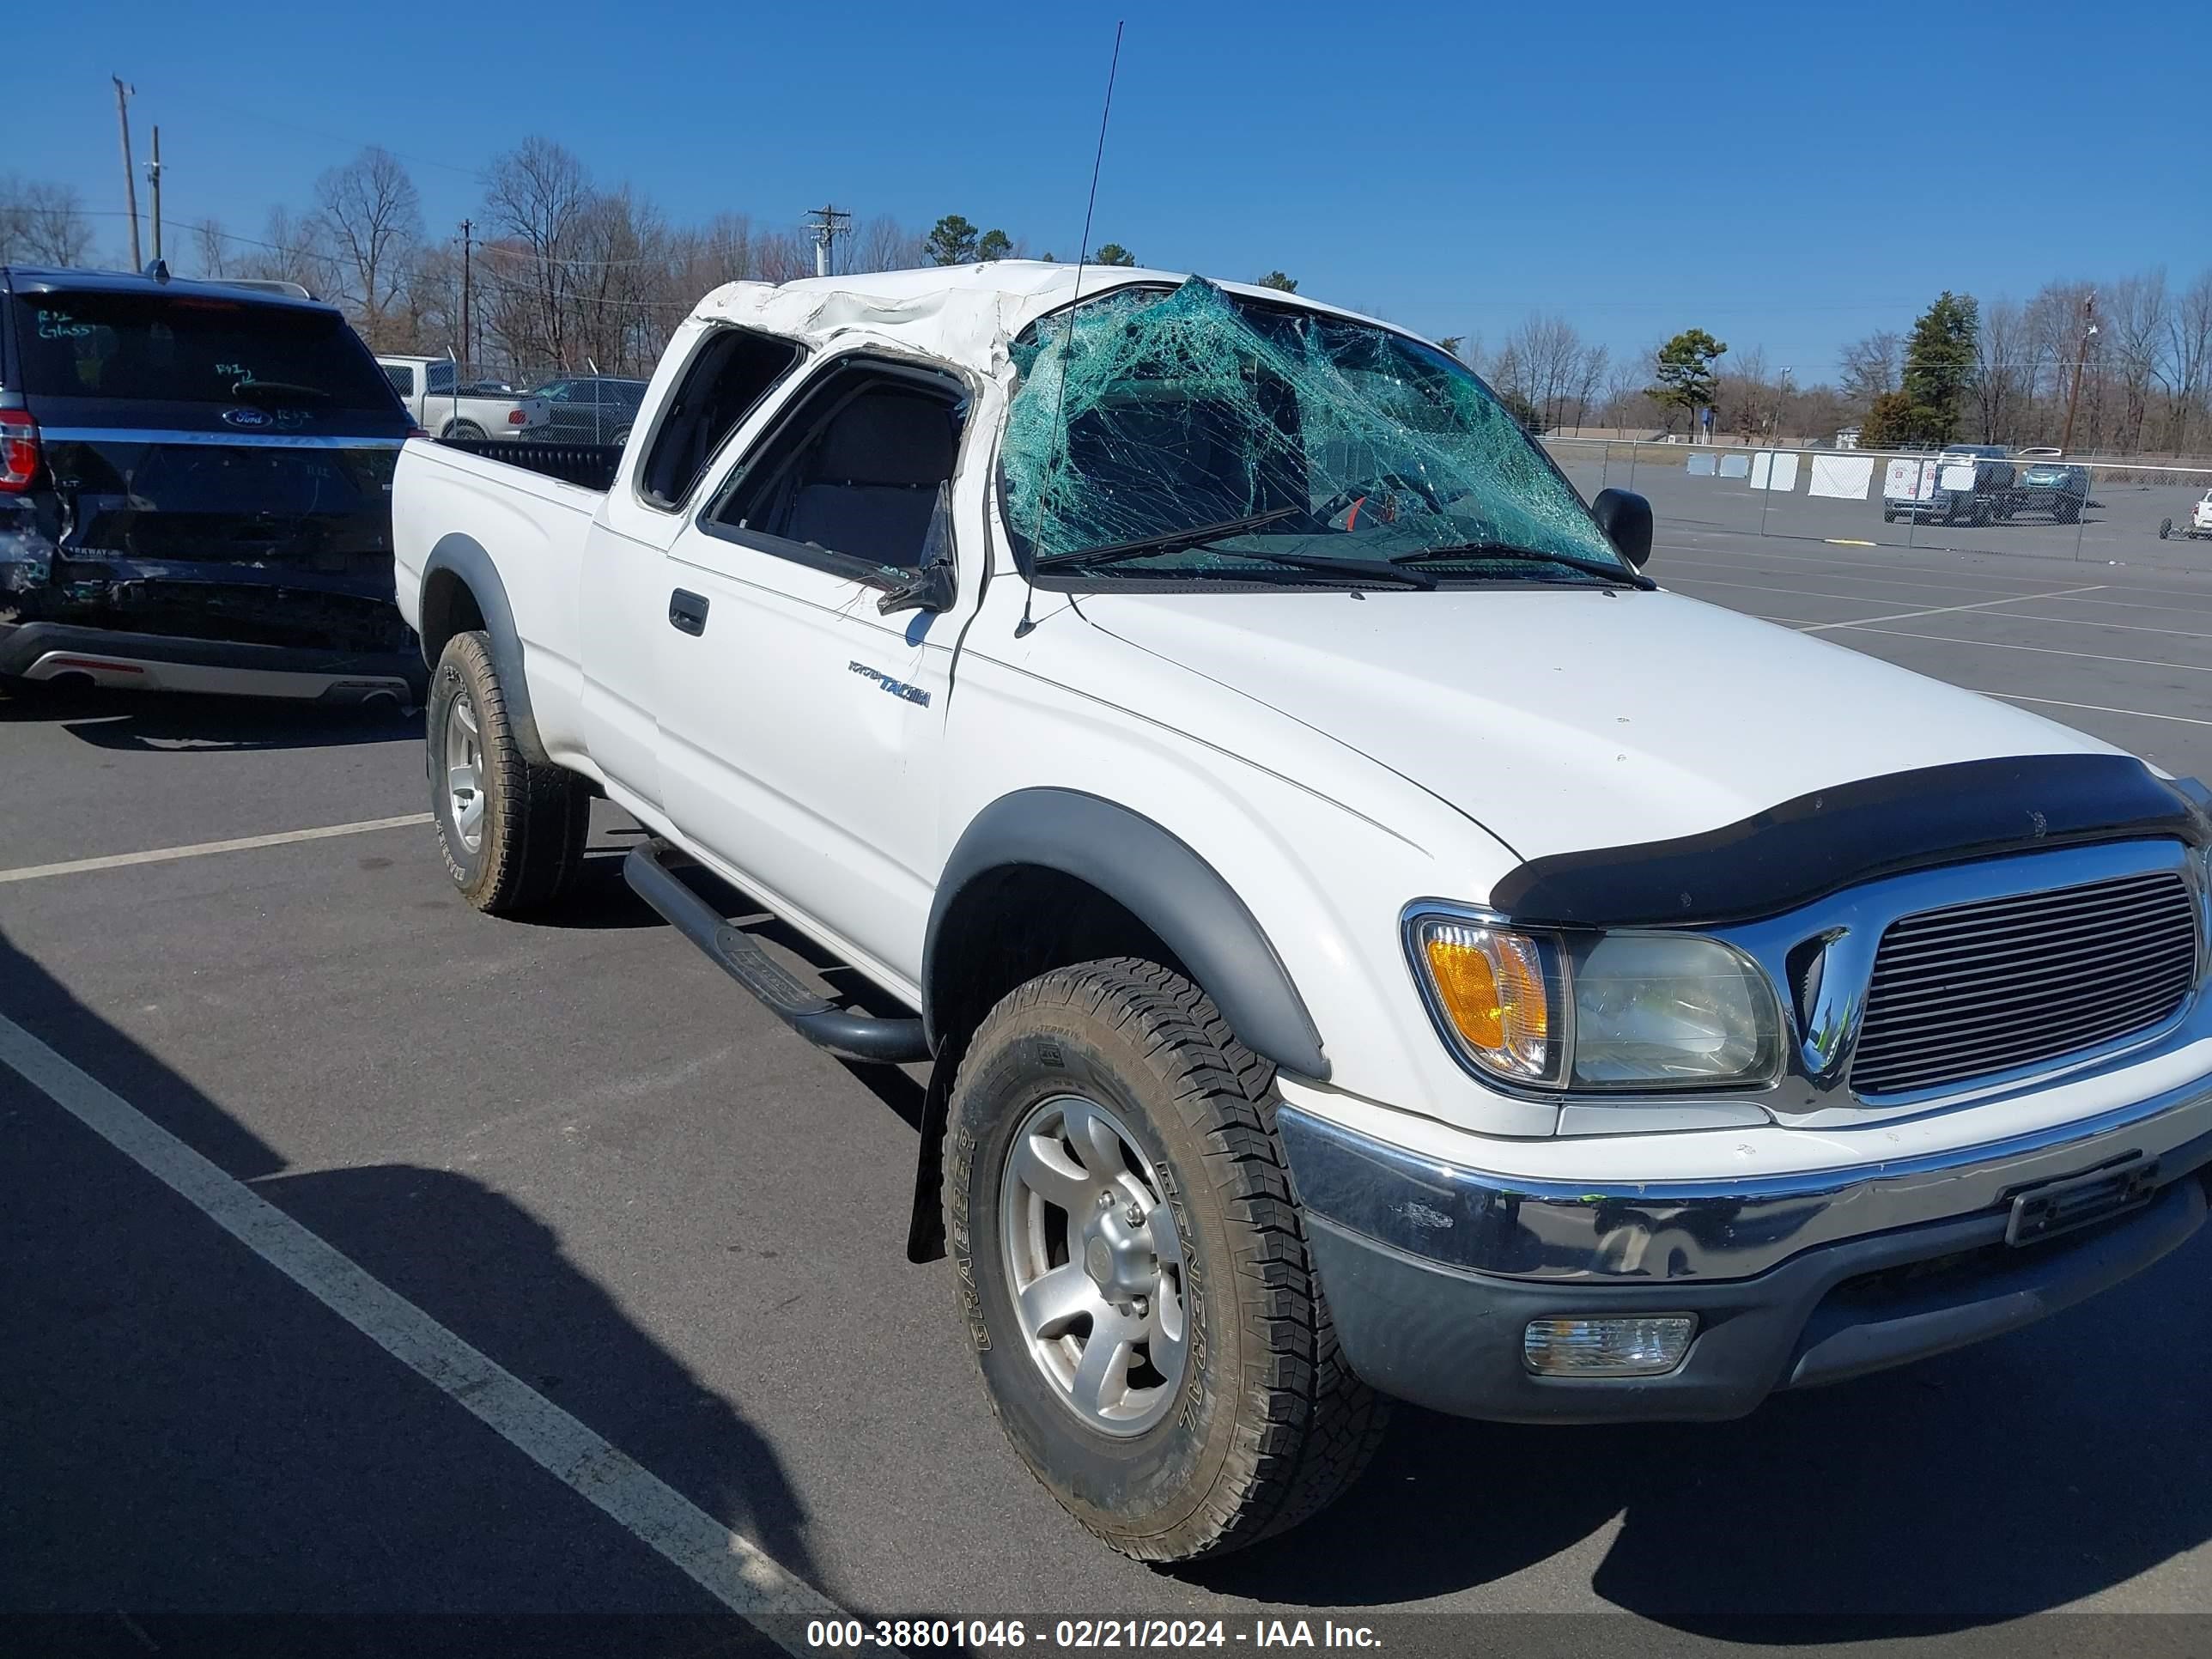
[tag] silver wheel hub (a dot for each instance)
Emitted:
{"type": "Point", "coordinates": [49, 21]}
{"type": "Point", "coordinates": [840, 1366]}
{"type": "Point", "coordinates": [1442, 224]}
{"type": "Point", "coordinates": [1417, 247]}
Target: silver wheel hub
{"type": "Point", "coordinates": [463, 772]}
{"type": "Point", "coordinates": [1095, 1265]}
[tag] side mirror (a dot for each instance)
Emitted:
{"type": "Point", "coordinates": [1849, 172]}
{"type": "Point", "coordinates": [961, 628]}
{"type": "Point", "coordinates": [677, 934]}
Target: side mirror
{"type": "Point", "coordinates": [1626, 518]}
{"type": "Point", "coordinates": [930, 589]}
{"type": "Point", "coordinates": [931, 586]}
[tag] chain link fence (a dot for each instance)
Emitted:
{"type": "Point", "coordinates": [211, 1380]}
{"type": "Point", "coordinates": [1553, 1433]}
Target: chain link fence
{"type": "Point", "coordinates": [2018, 502]}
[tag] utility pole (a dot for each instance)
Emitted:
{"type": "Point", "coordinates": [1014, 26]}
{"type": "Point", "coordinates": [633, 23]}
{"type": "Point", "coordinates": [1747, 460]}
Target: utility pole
{"type": "Point", "coordinates": [154, 188]}
{"type": "Point", "coordinates": [468, 346]}
{"type": "Point", "coordinates": [828, 224]}
{"type": "Point", "coordinates": [129, 176]}
{"type": "Point", "coordinates": [2081, 352]}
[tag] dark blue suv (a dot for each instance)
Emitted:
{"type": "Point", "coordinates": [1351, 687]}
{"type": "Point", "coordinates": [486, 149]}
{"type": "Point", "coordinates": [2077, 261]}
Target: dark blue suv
{"type": "Point", "coordinates": [195, 491]}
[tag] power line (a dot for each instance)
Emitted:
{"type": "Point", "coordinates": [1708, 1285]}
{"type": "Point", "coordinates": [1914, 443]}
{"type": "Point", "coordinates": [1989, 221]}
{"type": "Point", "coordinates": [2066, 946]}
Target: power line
{"type": "Point", "coordinates": [827, 224]}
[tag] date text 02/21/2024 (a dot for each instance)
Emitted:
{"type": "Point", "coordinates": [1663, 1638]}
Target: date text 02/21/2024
{"type": "Point", "coordinates": [1084, 1634]}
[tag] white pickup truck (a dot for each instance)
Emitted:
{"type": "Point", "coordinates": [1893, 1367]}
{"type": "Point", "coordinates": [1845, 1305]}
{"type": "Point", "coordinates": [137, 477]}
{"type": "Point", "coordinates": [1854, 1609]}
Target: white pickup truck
{"type": "Point", "coordinates": [442, 403]}
{"type": "Point", "coordinates": [1369, 937]}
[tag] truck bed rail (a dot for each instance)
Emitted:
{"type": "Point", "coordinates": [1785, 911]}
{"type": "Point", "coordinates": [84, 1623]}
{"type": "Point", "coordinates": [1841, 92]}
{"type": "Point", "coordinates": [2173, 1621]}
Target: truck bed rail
{"type": "Point", "coordinates": [591, 466]}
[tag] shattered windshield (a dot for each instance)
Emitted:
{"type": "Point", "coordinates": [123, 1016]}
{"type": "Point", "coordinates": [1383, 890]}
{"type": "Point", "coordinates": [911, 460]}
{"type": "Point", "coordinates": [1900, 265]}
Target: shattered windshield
{"type": "Point", "coordinates": [1194, 433]}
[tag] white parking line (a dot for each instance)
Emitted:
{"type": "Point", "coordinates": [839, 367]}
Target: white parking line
{"type": "Point", "coordinates": [2100, 708]}
{"type": "Point", "coordinates": [1825, 565]}
{"type": "Point", "coordinates": [1945, 609]}
{"type": "Point", "coordinates": [2123, 628]}
{"type": "Point", "coordinates": [731, 1569]}
{"type": "Point", "coordinates": [1832, 569]}
{"type": "Point", "coordinates": [2040, 650]}
{"type": "Point", "coordinates": [201, 849]}
{"type": "Point", "coordinates": [1679, 582]}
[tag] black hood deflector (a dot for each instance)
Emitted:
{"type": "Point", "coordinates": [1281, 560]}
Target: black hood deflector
{"type": "Point", "coordinates": [1821, 843]}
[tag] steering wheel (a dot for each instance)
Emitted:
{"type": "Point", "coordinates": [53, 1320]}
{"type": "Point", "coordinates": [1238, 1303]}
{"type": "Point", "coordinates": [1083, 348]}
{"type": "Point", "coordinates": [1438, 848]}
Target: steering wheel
{"type": "Point", "coordinates": [1354, 497]}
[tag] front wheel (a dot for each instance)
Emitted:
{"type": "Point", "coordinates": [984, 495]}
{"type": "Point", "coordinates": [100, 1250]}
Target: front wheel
{"type": "Point", "coordinates": [1134, 1270]}
{"type": "Point", "coordinates": [511, 830]}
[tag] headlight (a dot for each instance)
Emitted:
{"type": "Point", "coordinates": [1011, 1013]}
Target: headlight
{"type": "Point", "coordinates": [1651, 1008]}
{"type": "Point", "coordinates": [1603, 1012]}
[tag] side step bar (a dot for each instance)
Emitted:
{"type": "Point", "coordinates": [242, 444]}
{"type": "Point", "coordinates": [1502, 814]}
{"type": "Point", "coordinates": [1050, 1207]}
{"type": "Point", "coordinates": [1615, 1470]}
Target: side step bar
{"type": "Point", "coordinates": [822, 1023]}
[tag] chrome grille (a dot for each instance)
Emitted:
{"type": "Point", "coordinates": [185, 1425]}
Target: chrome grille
{"type": "Point", "coordinates": [1976, 989]}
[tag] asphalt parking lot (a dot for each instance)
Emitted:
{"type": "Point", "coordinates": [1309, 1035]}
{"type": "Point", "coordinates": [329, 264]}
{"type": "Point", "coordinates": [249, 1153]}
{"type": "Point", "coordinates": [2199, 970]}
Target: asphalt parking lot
{"type": "Point", "coordinates": [672, 1234]}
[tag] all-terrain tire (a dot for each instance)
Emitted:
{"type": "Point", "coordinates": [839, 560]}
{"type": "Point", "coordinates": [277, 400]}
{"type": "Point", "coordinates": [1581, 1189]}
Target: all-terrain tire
{"type": "Point", "coordinates": [532, 819]}
{"type": "Point", "coordinates": [1268, 1424]}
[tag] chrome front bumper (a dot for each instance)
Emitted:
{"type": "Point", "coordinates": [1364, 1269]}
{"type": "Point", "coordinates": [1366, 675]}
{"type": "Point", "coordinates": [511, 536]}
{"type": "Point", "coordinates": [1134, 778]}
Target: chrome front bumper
{"type": "Point", "coordinates": [1433, 1272]}
{"type": "Point", "coordinates": [1676, 1231]}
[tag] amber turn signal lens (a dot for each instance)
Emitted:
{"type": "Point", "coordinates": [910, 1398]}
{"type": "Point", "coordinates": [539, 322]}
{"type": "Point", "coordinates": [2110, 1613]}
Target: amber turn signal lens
{"type": "Point", "coordinates": [1491, 984]}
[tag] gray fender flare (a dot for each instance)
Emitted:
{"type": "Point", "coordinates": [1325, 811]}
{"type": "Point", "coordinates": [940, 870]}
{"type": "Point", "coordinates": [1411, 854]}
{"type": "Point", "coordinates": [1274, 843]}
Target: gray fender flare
{"type": "Point", "coordinates": [1161, 881]}
{"type": "Point", "coordinates": [465, 558]}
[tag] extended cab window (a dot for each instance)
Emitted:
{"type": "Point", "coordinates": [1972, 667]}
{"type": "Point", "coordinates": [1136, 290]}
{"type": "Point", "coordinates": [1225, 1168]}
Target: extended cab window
{"type": "Point", "coordinates": [181, 348]}
{"type": "Point", "coordinates": [854, 471]}
{"type": "Point", "coordinates": [731, 371]}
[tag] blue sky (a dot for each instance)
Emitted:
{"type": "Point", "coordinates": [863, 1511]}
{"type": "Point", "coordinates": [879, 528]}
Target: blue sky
{"type": "Point", "coordinates": [1785, 175]}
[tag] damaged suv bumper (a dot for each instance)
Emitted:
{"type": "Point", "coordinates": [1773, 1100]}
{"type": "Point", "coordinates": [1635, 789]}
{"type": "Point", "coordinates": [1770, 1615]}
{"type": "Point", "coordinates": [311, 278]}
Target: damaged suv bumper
{"type": "Point", "coordinates": [49, 651]}
{"type": "Point", "coordinates": [1435, 1273]}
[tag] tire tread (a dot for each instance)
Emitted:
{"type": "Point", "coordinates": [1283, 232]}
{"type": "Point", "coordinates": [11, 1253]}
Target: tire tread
{"type": "Point", "coordinates": [1306, 1427]}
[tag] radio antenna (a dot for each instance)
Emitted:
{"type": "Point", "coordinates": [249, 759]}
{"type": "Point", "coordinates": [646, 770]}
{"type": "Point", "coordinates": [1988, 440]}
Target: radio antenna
{"type": "Point", "coordinates": [1067, 343]}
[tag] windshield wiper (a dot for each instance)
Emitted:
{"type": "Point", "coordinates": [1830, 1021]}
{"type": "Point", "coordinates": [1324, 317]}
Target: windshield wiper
{"type": "Point", "coordinates": [1388, 570]}
{"type": "Point", "coordinates": [1114, 552]}
{"type": "Point", "coordinates": [278, 392]}
{"type": "Point", "coordinates": [1464, 552]}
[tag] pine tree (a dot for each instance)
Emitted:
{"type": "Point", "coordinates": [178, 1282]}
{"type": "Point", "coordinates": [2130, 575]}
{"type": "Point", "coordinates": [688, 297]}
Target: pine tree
{"type": "Point", "coordinates": [951, 241]}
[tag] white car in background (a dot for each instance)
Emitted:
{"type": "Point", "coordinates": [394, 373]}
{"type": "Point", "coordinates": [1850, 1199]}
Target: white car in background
{"type": "Point", "coordinates": [2199, 522]}
{"type": "Point", "coordinates": [445, 406]}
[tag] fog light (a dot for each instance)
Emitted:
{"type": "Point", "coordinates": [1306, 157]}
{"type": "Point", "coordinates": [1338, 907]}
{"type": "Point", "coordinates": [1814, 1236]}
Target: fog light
{"type": "Point", "coordinates": [1645, 1346]}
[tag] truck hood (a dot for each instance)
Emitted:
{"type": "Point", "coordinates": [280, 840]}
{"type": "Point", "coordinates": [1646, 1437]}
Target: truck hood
{"type": "Point", "coordinates": [1563, 719]}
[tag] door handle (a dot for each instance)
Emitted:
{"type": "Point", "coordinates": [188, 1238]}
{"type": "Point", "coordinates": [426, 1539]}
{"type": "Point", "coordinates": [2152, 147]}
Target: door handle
{"type": "Point", "coordinates": [687, 612]}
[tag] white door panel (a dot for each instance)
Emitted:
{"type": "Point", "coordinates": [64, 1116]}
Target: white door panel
{"type": "Point", "coordinates": [799, 734]}
{"type": "Point", "coordinates": [625, 611]}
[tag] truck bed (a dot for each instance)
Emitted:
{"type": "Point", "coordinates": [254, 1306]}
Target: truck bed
{"type": "Point", "coordinates": [589, 466]}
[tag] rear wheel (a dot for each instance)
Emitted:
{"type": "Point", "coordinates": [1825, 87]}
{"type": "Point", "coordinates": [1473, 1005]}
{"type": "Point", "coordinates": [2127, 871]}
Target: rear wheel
{"type": "Point", "coordinates": [2164, 528]}
{"type": "Point", "coordinates": [462, 430]}
{"type": "Point", "coordinates": [511, 831]}
{"type": "Point", "coordinates": [1134, 1269]}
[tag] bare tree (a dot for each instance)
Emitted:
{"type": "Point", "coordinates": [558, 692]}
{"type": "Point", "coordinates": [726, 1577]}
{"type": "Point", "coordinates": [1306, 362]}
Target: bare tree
{"type": "Point", "coordinates": [780, 256]}
{"type": "Point", "coordinates": [212, 245]}
{"type": "Point", "coordinates": [538, 193]}
{"type": "Point", "coordinates": [371, 217]}
{"type": "Point", "coordinates": [1872, 366]}
{"type": "Point", "coordinates": [2002, 363]}
{"type": "Point", "coordinates": [290, 251]}
{"type": "Point", "coordinates": [2136, 312]}
{"type": "Point", "coordinates": [43, 224]}
{"type": "Point", "coordinates": [1744, 396]}
{"type": "Point", "coordinates": [1546, 362]}
{"type": "Point", "coordinates": [2189, 355]}
{"type": "Point", "coordinates": [884, 244]}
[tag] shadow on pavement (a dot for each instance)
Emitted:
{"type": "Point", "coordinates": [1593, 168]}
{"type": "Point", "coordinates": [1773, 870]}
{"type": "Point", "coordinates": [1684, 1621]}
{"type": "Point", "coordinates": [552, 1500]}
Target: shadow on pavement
{"type": "Point", "coordinates": [189, 1432]}
{"type": "Point", "coordinates": [150, 721]}
{"type": "Point", "coordinates": [1982, 1485]}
